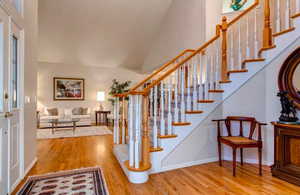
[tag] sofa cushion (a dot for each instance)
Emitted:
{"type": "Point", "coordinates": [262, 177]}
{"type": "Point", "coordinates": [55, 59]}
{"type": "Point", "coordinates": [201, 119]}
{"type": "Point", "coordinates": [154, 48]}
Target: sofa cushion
{"type": "Point", "coordinates": [77, 111]}
{"type": "Point", "coordinates": [52, 111]}
{"type": "Point", "coordinates": [85, 111]}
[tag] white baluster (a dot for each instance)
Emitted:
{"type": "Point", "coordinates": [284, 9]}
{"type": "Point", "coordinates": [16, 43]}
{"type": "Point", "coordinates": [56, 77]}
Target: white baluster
{"type": "Point", "coordinates": [162, 109]}
{"type": "Point", "coordinates": [255, 34]}
{"type": "Point", "coordinates": [297, 6]}
{"type": "Point", "coordinates": [194, 64]}
{"type": "Point", "coordinates": [130, 131]}
{"type": "Point", "coordinates": [201, 73]}
{"type": "Point", "coordinates": [151, 102]}
{"type": "Point", "coordinates": [188, 73]}
{"type": "Point", "coordinates": [123, 122]}
{"type": "Point", "coordinates": [218, 65]}
{"type": "Point", "coordinates": [206, 80]}
{"type": "Point", "coordinates": [287, 15]}
{"type": "Point", "coordinates": [169, 106]}
{"type": "Point", "coordinates": [278, 25]}
{"type": "Point", "coordinates": [137, 132]}
{"type": "Point", "coordinates": [115, 121]}
{"type": "Point", "coordinates": [232, 50]}
{"type": "Point", "coordinates": [155, 129]}
{"type": "Point", "coordinates": [176, 111]}
{"type": "Point", "coordinates": [182, 102]}
{"type": "Point", "coordinates": [240, 46]}
{"type": "Point", "coordinates": [247, 38]}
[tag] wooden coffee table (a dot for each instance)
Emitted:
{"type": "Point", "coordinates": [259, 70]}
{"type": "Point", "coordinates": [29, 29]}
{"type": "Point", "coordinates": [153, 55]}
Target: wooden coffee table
{"type": "Point", "coordinates": [56, 122]}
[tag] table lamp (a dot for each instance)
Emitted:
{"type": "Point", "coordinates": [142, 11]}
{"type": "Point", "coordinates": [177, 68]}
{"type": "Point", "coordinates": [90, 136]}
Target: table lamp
{"type": "Point", "coordinates": [100, 99]}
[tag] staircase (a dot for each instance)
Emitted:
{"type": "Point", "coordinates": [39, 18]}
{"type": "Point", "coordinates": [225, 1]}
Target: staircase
{"type": "Point", "coordinates": [175, 99]}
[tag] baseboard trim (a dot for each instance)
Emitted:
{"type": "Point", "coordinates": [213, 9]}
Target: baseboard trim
{"type": "Point", "coordinates": [186, 164]}
{"type": "Point", "coordinates": [250, 161]}
{"type": "Point", "coordinates": [23, 176]}
{"type": "Point", "coordinates": [30, 167]}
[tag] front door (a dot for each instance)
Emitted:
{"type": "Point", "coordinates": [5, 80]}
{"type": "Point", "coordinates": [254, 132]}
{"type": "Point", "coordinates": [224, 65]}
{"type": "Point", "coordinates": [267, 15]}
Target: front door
{"type": "Point", "coordinates": [4, 102]}
{"type": "Point", "coordinates": [14, 105]}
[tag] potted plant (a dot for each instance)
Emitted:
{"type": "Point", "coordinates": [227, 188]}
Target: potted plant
{"type": "Point", "coordinates": [118, 87]}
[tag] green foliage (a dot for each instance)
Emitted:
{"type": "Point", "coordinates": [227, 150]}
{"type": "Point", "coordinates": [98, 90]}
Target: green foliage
{"type": "Point", "coordinates": [118, 88]}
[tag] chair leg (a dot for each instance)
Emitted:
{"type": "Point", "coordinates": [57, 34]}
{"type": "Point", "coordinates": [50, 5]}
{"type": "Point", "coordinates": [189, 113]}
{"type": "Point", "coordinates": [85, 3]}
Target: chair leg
{"type": "Point", "coordinates": [220, 153]}
{"type": "Point", "coordinates": [260, 160]}
{"type": "Point", "coordinates": [242, 160]}
{"type": "Point", "coordinates": [234, 160]}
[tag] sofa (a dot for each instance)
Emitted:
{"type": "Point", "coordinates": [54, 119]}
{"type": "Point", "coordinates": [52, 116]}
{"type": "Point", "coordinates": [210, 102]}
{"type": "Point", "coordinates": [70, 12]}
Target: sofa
{"type": "Point", "coordinates": [84, 114]}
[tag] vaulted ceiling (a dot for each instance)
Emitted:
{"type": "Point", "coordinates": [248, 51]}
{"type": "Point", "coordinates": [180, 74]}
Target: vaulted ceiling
{"type": "Point", "coordinates": [101, 33]}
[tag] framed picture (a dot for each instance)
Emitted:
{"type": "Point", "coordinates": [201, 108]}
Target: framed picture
{"type": "Point", "coordinates": [68, 88]}
{"type": "Point", "coordinates": [236, 5]}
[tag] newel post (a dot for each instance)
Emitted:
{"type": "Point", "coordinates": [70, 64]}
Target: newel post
{"type": "Point", "coordinates": [267, 35]}
{"type": "Point", "coordinates": [146, 139]}
{"type": "Point", "coordinates": [223, 27]}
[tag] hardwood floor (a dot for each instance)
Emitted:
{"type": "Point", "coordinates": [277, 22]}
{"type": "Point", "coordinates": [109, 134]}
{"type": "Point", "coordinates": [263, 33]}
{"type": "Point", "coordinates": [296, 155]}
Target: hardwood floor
{"type": "Point", "coordinates": [73, 153]}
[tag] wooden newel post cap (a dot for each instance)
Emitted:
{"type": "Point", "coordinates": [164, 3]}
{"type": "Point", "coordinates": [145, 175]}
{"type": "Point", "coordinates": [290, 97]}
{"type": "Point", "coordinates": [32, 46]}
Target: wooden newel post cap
{"type": "Point", "coordinates": [224, 25]}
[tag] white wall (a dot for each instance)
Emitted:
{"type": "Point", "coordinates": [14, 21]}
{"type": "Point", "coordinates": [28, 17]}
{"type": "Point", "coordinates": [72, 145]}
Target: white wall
{"type": "Point", "coordinates": [182, 28]}
{"type": "Point", "coordinates": [256, 98]}
{"type": "Point", "coordinates": [30, 79]}
{"type": "Point", "coordinates": [96, 79]}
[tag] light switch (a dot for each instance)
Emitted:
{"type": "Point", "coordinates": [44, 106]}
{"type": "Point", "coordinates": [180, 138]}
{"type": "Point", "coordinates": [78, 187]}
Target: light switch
{"type": "Point", "coordinates": [27, 99]}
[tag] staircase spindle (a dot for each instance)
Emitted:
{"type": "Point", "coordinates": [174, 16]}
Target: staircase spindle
{"type": "Point", "coordinates": [162, 109]}
{"type": "Point", "coordinates": [255, 34]}
{"type": "Point", "coordinates": [194, 67]}
{"type": "Point", "coordinates": [277, 16]}
{"type": "Point", "coordinates": [232, 50]}
{"type": "Point", "coordinates": [182, 100]}
{"type": "Point", "coordinates": [116, 121]}
{"type": "Point", "coordinates": [155, 129]}
{"type": "Point", "coordinates": [176, 81]}
{"type": "Point", "coordinates": [240, 45]}
{"type": "Point", "coordinates": [188, 84]}
{"type": "Point", "coordinates": [201, 79]}
{"type": "Point", "coordinates": [247, 38]}
{"type": "Point", "coordinates": [137, 145]}
{"type": "Point", "coordinates": [169, 105]}
{"type": "Point", "coordinates": [287, 15]}
{"type": "Point", "coordinates": [131, 131]}
{"type": "Point", "coordinates": [206, 79]}
{"type": "Point", "coordinates": [123, 121]}
{"type": "Point", "coordinates": [297, 6]}
{"type": "Point", "coordinates": [217, 66]}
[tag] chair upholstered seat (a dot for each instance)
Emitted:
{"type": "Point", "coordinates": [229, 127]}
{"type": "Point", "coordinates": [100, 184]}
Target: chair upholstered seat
{"type": "Point", "coordinates": [239, 140]}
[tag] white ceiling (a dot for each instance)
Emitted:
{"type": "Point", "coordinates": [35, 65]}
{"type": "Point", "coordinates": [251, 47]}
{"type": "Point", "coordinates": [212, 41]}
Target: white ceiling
{"type": "Point", "coordinates": [102, 33]}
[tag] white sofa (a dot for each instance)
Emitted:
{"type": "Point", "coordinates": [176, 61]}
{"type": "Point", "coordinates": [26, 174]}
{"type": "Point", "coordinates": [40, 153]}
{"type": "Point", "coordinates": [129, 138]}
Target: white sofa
{"type": "Point", "coordinates": [44, 117]}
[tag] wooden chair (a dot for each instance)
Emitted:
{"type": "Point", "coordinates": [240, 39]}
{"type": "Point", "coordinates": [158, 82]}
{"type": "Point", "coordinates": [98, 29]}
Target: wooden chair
{"type": "Point", "coordinates": [240, 141]}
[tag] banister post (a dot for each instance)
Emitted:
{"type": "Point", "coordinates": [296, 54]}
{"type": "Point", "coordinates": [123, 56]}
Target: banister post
{"type": "Point", "coordinates": [223, 27]}
{"type": "Point", "coordinates": [267, 35]}
{"type": "Point", "coordinates": [145, 139]}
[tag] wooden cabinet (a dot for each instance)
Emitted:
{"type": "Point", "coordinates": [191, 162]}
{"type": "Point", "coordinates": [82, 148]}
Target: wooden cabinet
{"type": "Point", "coordinates": [287, 153]}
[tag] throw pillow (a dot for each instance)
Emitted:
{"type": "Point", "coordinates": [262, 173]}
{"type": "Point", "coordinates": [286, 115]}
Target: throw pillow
{"type": "Point", "coordinates": [77, 111]}
{"type": "Point", "coordinates": [52, 112]}
{"type": "Point", "coordinates": [85, 111]}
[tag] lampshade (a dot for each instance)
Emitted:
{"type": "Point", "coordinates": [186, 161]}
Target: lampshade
{"type": "Point", "coordinates": [100, 96]}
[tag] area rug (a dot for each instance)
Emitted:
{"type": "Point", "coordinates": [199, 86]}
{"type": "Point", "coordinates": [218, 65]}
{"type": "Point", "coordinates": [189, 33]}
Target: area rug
{"type": "Point", "coordinates": [68, 132]}
{"type": "Point", "coordinates": [87, 181]}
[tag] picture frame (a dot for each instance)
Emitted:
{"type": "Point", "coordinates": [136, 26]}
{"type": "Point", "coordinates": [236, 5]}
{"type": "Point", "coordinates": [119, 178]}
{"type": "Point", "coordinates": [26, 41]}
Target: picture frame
{"type": "Point", "coordinates": [238, 5]}
{"type": "Point", "coordinates": [68, 89]}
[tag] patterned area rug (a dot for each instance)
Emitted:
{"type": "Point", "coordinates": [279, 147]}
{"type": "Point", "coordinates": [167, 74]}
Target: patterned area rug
{"type": "Point", "coordinates": [87, 181]}
{"type": "Point", "coordinates": [68, 132]}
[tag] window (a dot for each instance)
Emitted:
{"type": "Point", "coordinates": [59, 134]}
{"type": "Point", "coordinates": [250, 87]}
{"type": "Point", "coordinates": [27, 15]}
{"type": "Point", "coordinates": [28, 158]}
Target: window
{"type": "Point", "coordinates": [14, 73]}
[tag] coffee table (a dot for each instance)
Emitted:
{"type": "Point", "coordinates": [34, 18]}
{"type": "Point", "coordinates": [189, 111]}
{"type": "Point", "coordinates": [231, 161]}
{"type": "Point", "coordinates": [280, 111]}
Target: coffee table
{"type": "Point", "coordinates": [56, 122]}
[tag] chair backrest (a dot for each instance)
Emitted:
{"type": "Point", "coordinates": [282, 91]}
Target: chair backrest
{"type": "Point", "coordinates": [252, 121]}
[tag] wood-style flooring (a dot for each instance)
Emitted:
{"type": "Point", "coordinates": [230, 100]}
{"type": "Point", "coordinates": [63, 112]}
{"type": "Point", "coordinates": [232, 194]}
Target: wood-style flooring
{"type": "Point", "coordinates": [73, 153]}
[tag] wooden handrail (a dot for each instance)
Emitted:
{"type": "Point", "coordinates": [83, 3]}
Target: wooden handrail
{"type": "Point", "coordinates": [256, 3]}
{"type": "Point", "coordinates": [157, 81]}
{"type": "Point", "coordinates": [162, 68]}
